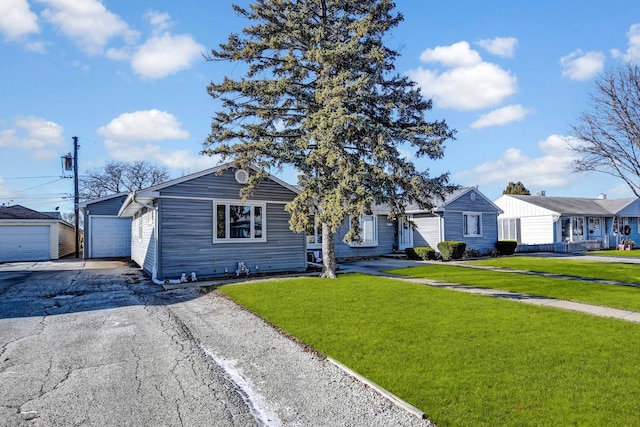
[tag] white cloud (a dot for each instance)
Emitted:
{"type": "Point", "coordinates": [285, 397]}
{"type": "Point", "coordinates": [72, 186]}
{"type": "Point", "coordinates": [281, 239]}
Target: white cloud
{"type": "Point", "coordinates": [127, 138]}
{"type": "Point", "coordinates": [473, 87]}
{"type": "Point", "coordinates": [582, 66]}
{"type": "Point", "coordinates": [161, 21]}
{"type": "Point", "coordinates": [469, 83]}
{"type": "Point", "coordinates": [633, 49]}
{"type": "Point", "coordinates": [17, 20]}
{"type": "Point", "coordinates": [457, 55]}
{"type": "Point", "coordinates": [501, 116]}
{"type": "Point", "coordinates": [161, 56]}
{"type": "Point", "coordinates": [549, 170]}
{"type": "Point", "coordinates": [87, 23]}
{"type": "Point", "coordinates": [501, 46]}
{"type": "Point", "coordinates": [42, 138]}
{"type": "Point", "coordinates": [149, 125]}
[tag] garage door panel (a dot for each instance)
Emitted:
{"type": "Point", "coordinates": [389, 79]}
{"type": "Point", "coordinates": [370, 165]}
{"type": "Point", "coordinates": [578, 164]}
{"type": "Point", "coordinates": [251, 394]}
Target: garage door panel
{"type": "Point", "coordinates": [110, 237]}
{"type": "Point", "coordinates": [25, 243]}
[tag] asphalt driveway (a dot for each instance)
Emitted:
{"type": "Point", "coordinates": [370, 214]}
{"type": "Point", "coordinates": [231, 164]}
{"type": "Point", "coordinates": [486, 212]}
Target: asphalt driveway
{"type": "Point", "coordinates": [95, 343]}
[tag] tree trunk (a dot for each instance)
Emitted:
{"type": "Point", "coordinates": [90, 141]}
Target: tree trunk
{"type": "Point", "coordinates": [328, 253]}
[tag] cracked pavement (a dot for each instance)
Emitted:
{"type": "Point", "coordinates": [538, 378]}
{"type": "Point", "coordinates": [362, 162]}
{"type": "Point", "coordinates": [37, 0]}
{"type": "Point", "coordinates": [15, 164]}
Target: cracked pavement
{"type": "Point", "coordinates": [88, 343]}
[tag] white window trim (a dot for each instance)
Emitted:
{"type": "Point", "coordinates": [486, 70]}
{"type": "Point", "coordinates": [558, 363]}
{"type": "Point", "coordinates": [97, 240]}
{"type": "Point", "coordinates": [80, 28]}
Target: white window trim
{"type": "Point", "coordinates": [375, 233]}
{"type": "Point", "coordinates": [317, 233]}
{"type": "Point", "coordinates": [464, 224]}
{"type": "Point", "coordinates": [228, 239]}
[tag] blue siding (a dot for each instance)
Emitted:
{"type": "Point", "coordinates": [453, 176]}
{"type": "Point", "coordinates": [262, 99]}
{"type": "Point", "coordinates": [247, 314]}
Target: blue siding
{"type": "Point", "coordinates": [224, 186]}
{"type": "Point", "coordinates": [186, 230]}
{"type": "Point", "coordinates": [453, 231]}
{"type": "Point", "coordinates": [386, 241]}
{"type": "Point", "coordinates": [186, 239]}
{"type": "Point", "coordinates": [466, 203]}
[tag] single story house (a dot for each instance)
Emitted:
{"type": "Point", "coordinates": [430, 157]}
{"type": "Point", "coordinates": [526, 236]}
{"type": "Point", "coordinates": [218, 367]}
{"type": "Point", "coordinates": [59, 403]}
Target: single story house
{"type": "Point", "coordinates": [465, 215]}
{"type": "Point", "coordinates": [199, 224]}
{"type": "Point", "coordinates": [105, 234]}
{"type": "Point", "coordinates": [538, 220]}
{"type": "Point", "coordinates": [28, 235]}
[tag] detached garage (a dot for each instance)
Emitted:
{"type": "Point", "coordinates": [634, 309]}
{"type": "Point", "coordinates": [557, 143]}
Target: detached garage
{"type": "Point", "coordinates": [28, 235]}
{"type": "Point", "coordinates": [106, 235]}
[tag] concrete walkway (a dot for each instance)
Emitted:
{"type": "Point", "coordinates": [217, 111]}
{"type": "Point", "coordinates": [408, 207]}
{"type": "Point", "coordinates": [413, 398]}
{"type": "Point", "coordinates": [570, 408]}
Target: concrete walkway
{"type": "Point", "coordinates": [377, 267]}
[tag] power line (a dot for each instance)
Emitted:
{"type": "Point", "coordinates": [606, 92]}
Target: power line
{"type": "Point", "coordinates": [29, 177]}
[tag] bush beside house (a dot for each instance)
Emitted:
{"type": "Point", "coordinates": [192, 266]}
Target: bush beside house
{"type": "Point", "coordinates": [423, 253]}
{"type": "Point", "coordinates": [506, 247]}
{"type": "Point", "coordinates": [451, 250]}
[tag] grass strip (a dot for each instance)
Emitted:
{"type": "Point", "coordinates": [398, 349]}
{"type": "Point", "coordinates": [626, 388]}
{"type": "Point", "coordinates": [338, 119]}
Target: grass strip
{"type": "Point", "coordinates": [463, 359]}
{"type": "Point", "coordinates": [623, 297]}
{"type": "Point", "coordinates": [616, 253]}
{"type": "Point", "coordinates": [620, 272]}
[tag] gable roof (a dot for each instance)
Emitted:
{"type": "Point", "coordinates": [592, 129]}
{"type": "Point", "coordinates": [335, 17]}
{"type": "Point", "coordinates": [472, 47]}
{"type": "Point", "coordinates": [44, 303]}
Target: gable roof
{"type": "Point", "coordinates": [18, 212]}
{"type": "Point", "coordinates": [87, 202]}
{"type": "Point", "coordinates": [576, 205]}
{"type": "Point", "coordinates": [441, 205]}
{"type": "Point", "coordinates": [137, 199]}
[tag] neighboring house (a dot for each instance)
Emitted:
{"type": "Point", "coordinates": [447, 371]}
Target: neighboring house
{"type": "Point", "coordinates": [105, 234]}
{"type": "Point", "coordinates": [199, 224]}
{"type": "Point", "coordinates": [465, 215]}
{"type": "Point", "coordinates": [28, 235]}
{"type": "Point", "coordinates": [538, 220]}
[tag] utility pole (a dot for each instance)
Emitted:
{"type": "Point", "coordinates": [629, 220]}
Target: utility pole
{"type": "Point", "coordinates": [76, 196]}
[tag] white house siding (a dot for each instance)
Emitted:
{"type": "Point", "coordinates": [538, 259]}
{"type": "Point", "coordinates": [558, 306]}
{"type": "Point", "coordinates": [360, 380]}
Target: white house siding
{"type": "Point", "coordinates": [537, 230]}
{"type": "Point", "coordinates": [143, 238]}
{"type": "Point", "coordinates": [386, 240]}
{"type": "Point", "coordinates": [514, 208]}
{"type": "Point", "coordinates": [66, 240]}
{"type": "Point", "coordinates": [427, 230]}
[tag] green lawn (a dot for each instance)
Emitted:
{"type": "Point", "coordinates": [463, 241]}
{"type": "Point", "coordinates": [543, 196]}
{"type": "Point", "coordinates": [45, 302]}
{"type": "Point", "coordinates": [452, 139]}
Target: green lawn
{"type": "Point", "coordinates": [614, 252]}
{"type": "Point", "coordinates": [463, 359]}
{"type": "Point", "coordinates": [594, 269]}
{"type": "Point", "coordinates": [623, 297]}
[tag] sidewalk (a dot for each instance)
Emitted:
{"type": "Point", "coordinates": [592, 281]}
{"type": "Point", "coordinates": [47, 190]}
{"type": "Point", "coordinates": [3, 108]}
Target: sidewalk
{"type": "Point", "coordinates": [376, 267]}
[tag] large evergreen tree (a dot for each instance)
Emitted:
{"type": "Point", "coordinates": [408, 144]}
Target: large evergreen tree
{"type": "Point", "coordinates": [321, 94]}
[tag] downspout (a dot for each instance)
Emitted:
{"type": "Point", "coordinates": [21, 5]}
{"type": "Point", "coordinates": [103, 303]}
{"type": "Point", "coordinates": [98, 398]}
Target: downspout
{"type": "Point", "coordinates": [154, 270]}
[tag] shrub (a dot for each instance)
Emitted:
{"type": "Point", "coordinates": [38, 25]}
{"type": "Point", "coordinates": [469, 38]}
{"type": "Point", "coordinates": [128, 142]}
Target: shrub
{"type": "Point", "coordinates": [451, 249]}
{"type": "Point", "coordinates": [421, 253]}
{"type": "Point", "coordinates": [411, 254]}
{"type": "Point", "coordinates": [472, 253]}
{"type": "Point", "coordinates": [506, 247]}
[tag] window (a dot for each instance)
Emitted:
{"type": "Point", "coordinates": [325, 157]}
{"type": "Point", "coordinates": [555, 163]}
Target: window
{"type": "Point", "coordinates": [368, 231]}
{"type": "Point", "coordinates": [472, 224]}
{"type": "Point", "coordinates": [508, 229]}
{"type": "Point", "coordinates": [314, 235]}
{"type": "Point", "coordinates": [235, 222]}
{"type": "Point", "coordinates": [572, 228]}
{"type": "Point", "coordinates": [618, 224]}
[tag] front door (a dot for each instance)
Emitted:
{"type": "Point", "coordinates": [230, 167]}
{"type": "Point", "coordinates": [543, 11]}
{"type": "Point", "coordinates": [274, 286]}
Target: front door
{"type": "Point", "coordinates": [405, 235]}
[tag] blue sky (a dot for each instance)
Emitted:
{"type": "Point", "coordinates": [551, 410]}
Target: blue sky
{"type": "Point", "coordinates": [129, 80]}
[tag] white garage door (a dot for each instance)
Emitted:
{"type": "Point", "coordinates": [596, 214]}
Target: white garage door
{"type": "Point", "coordinates": [110, 237]}
{"type": "Point", "coordinates": [24, 243]}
